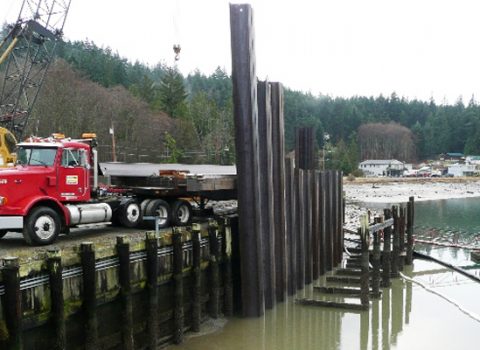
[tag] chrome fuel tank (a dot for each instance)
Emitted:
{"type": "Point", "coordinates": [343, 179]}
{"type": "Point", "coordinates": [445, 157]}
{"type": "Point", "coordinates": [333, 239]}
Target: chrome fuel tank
{"type": "Point", "coordinates": [89, 213]}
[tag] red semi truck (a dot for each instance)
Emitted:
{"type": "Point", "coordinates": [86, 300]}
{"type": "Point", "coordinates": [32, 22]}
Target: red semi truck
{"type": "Point", "coordinates": [54, 186]}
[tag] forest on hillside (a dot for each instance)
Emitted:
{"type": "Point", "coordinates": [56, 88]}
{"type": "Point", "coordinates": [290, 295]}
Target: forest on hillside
{"type": "Point", "coordinates": [159, 115]}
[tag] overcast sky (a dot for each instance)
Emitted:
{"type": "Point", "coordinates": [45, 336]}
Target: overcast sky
{"type": "Point", "coordinates": [417, 48]}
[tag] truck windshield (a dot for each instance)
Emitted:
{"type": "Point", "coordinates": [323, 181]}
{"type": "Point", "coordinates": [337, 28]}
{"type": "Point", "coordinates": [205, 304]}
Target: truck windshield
{"type": "Point", "coordinates": [36, 156]}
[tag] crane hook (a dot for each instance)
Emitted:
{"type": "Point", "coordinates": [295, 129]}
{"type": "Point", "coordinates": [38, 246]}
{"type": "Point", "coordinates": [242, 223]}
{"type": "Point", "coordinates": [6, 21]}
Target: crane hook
{"type": "Point", "coordinates": [176, 50]}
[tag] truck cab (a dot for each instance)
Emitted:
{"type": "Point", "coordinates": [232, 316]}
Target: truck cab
{"type": "Point", "coordinates": [50, 189]}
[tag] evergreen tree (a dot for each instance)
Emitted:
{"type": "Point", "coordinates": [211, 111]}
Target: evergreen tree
{"type": "Point", "coordinates": [171, 95]}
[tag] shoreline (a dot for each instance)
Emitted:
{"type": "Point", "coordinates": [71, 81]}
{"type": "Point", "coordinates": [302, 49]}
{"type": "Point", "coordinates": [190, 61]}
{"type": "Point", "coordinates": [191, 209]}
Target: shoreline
{"type": "Point", "coordinates": [399, 190]}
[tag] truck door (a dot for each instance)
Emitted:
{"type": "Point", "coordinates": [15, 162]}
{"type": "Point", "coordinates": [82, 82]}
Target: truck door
{"type": "Point", "coordinates": [72, 179]}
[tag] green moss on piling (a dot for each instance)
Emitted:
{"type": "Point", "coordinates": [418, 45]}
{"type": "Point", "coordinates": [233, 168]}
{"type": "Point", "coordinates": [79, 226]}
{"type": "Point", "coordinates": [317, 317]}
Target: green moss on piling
{"type": "Point", "coordinates": [3, 331]}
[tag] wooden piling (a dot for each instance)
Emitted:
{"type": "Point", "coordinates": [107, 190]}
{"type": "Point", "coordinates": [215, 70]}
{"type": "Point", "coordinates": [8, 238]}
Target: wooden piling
{"type": "Point", "coordinates": [315, 225]}
{"type": "Point", "coordinates": [329, 221]}
{"type": "Point", "coordinates": [54, 267]}
{"type": "Point", "coordinates": [247, 160]}
{"type": "Point", "coordinates": [386, 255]}
{"type": "Point", "coordinates": [308, 226]}
{"type": "Point", "coordinates": [396, 243]}
{"type": "Point", "coordinates": [12, 304]}
{"type": "Point", "coordinates": [227, 268]}
{"type": "Point", "coordinates": [213, 271]}
{"type": "Point", "coordinates": [151, 247]}
{"type": "Point", "coordinates": [410, 221]}
{"type": "Point", "coordinates": [300, 204]}
{"type": "Point", "coordinates": [196, 279]}
{"type": "Point", "coordinates": [341, 217]}
{"type": "Point", "coordinates": [291, 226]}
{"type": "Point", "coordinates": [376, 263]}
{"type": "Point", "coordinates": [89, 277]}
{"type": "Point", "coordinates": [178, 315]}
{"type": "Point", "coordinates": [123, 251]}
{"type": "Point", "coordinates": [278, 149]}
{"type": "Point", "coordinates": [322, 240]}
{"type": "Point", "coordinates": [365, 277]}
{"type": "Point", "coordinates": [266, 195]}
{"type": "Point", "coordinates": [401, 224]}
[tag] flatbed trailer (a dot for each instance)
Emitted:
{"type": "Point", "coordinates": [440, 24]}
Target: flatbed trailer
{"type": "Point", "coordinates": [56, 186]}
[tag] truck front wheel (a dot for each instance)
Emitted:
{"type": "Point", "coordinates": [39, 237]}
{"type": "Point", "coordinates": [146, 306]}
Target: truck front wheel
{"type": "Point", "coordinates": [42, 226]}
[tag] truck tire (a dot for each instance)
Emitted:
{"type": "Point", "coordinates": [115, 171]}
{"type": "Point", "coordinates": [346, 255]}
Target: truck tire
{"type": "Point", "coordinates": [42, 226]}
{"type": "Point", "coordinates": [129, 213]}
{"type": "Point", "coordinates": [160, 208]}
{"type": "Point", "coordinates": [3, 233]}
{"type": "Point", "coordinates": [181, 213]}
{"type": "Point", "coordinates": [143, 208]}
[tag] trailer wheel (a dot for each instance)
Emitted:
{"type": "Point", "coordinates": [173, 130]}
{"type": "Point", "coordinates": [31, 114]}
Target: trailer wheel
{"type": "Point", "coordinates": [181, 213]}
{"type": "Point", "coordinates": [129, 213]}
{"type": "Point", "coordinates": [42, 226]}
{"type": "Point", "coordinates": [3, 233]}
{"type": "Point", "coordinates": [143, 208]}
{"type": "Point", "coordinates": [160, 208]}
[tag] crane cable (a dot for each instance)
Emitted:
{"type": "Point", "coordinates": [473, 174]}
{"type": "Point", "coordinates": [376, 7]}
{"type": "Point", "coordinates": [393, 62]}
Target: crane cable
{"type": "Point", "coordinates": [176, 45]}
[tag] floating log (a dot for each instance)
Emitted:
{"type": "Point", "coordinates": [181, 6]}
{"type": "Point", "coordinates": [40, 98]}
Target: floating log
{"type": "Point", "coordinates": [331, 304]}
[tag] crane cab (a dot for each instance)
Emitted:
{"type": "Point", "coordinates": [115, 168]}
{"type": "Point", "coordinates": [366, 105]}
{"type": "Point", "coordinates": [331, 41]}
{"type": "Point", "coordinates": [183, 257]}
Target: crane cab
{"type": "Point", "coordinates": [8, 144]}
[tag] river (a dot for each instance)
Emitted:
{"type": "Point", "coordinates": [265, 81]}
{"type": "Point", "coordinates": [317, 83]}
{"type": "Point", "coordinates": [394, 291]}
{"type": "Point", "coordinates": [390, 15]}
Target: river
{"type": "Point", "coordinates": [408, 316]}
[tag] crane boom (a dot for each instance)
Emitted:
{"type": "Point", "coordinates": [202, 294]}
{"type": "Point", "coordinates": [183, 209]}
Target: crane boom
{"type": "Point", "coordinates": [25, 55]}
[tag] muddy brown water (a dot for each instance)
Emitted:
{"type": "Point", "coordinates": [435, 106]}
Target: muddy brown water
{"type": "Point", "coordinates": [406, 317]}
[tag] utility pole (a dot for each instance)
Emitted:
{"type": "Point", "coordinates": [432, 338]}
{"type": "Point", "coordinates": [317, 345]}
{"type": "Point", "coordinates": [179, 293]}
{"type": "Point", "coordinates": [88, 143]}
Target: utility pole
{"type": "Point", "coordinates": [114, 153]}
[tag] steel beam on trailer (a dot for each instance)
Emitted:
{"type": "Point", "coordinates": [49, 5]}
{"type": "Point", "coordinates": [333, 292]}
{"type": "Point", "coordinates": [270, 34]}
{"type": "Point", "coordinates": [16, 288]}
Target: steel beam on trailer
{"type": "Point", "coordinates": [247, 160]}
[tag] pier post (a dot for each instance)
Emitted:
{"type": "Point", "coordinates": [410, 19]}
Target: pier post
{"type": "Point", "coordinates": [401, 224]}
{"type": "Point", "coordinates": [245, 113]}
{"type": "Point", "coordinates": [291, 226]}
{"type": "Point", "coordinates": [278, 149]}
{"type": "Point", "coordinates": [322, 240]}
{"type": "Point", "coordinates": [196, 278]}
{"type": "Point", "coordinates": [410, 220]}
{"type": "Point", "coordinates": [315, 224]}
{"type": "Point", "coordinates": [376, 262]}
{"type": "Point", "coordinates": [89, 276]}
{"type": "Point", "coordinates": [123, 251]}
{"type": "Point", "coordinates": [396, 242]}
{"type": "Point", "coordinates": [214, 290]}
{"type": "Point", "coordinates": [227, 268]}
{"type": "Point", "coordinates": [300, 229]}
{"type": "Point", "coordinates": [386, 256]}
{"type": "Point", "coordinates": [308, 225]}
{"type": "Point", "coordinates": [266, 197]}
{"type": "Point", "coordinates": [365, 276]}
{"type": "Point", "coordinates": [178, 317]}
{"type": "Point", "coordinates": [151, 247]}
{"type": "Point", "coordinates": [329, 221]}
{"type": "Point", "coordinates": [54, 267]}
{"type": "Point", "coordinates": [12, 302]}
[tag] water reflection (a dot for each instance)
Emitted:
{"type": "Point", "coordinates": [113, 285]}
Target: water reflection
{"type": "Point", "coordinates": [393, 322]}
{"type": "Point", "coordinates": [453, 221]}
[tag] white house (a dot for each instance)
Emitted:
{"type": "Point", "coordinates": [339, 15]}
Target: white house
{"type": "Point", "coordinates": [382, 167]}
{"type": "Point", "coordinates": [461, 169]}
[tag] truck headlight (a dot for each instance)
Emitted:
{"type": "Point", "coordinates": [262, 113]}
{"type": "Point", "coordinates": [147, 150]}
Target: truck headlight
{"type": "Point", "coordinates": [3, 200]}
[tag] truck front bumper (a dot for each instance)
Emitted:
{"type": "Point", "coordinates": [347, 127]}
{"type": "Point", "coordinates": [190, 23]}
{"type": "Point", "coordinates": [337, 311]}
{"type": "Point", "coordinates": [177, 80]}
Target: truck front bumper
{"type": "Point", "coordinates": [11, 222]}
